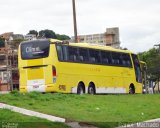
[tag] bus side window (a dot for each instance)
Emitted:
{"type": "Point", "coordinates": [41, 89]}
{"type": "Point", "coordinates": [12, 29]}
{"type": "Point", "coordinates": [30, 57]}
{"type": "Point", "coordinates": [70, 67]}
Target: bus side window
{"type": "Point", "coordinates": [116, 58]}
{"type": "Point", "coordinates": [73, 54]}
{"type": "Point", "coordinates": [126, 60]}
{"type": "Point", "coordinates": [72, 58]}
{"type": "Point", "coordinates": [83, 55]}
{"type": "Point", "coordinates": [105, 60]}
{"type": "Point", "coordinates": [81, 59]}
{"type": "Point", "coordinates": [94, 56]}
{"type": "Point", "coordinates": [65, 53]}
{"type": "Point", "coordinates": [60, 52]}
{"type": "Point", "coordinates": [106, 57]}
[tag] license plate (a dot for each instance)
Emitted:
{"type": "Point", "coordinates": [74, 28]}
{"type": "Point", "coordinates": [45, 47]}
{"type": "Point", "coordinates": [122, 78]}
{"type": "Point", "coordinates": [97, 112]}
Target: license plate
{"type": "Point", "coordinates": [35, 86]}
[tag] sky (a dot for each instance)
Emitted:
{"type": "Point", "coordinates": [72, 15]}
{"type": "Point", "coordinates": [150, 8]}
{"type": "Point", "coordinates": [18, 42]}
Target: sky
{"type": "Point", "coordinates": [138, 20]}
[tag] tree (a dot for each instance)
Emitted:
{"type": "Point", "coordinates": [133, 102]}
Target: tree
{"type": "Point", "coordinates": [47, 34]}
{"type": "Point", "coordinates": [62, 37]}
{"type": "Point", "coordinates": [33, 32]}
{"type": "Point", "coordinates": [152, 58]}
{"type": "Point", "coordinates": [16, 42]}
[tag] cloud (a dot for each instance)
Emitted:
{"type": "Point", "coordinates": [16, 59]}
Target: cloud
{"type": "Point", "coordinates": [138, 20]}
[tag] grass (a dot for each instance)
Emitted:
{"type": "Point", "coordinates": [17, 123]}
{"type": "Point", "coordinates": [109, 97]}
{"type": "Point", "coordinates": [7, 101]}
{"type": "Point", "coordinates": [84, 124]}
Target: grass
{"type": "Point", "coordinates": [101, 110]}
{"type": "Point", "coordinates": [9, 119]}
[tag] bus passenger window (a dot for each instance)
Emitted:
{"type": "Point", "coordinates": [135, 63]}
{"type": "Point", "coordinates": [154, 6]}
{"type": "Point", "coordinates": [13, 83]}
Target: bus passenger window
{"type": "Point", "coordinates": [65, 53]}
{"type": "Point", "coordinates": [105, 60]}
{"type": "Point", "coordinates": [59, 52]}
{"type": "Point", "coordinates": [72, 58]}
{"type": "Point", "coordinates": [81, 58]}
{"type": "Point", "coordinates": [94, 56]}
{"type": "Point", "coordinates": [73, 54]}
{"type": "Point", "coordinates": [126, 61]}
{"type": "Point", "coordinates": [106, 57]}
{"type": "Point", "coordinates": [116, 58]}
{"type": "Point", "coordinates": [92, 59]}
{"type": "Point", "coordinates": [83, 55]}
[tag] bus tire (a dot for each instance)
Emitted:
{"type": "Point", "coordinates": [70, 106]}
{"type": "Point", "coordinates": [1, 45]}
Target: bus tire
{"type": "Point", "coordinates": [80, 89]}
{"type": "Point", "coordinates": [131, 89]}
{"type": "Point", "coordinates": [91, 89]}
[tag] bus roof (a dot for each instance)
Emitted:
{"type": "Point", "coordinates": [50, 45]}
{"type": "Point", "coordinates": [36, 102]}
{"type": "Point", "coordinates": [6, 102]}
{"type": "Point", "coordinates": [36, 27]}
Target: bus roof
{"type": "Point", "coordinates": [95, 46]}
{"type": "Point", "coordinates": [85, 45]}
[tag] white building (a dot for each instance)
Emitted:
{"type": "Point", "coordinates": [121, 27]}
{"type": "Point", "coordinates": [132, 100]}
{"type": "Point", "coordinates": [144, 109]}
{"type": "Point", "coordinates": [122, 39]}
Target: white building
{"type": "Point", "coordinates": [108, 38]}
{"type": "Point", "coordinates": [30, 37]}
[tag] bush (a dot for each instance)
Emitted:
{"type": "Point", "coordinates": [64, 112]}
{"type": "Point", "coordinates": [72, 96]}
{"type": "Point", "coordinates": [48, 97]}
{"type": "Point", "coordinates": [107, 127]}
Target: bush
{"type": "Point", "coordinates": [34, 95]}
{"type": "Point", "coordinates": [15, 92]}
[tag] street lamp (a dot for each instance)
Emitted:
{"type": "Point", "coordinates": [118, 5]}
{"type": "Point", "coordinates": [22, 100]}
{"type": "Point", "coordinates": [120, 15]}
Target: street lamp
{"type": "Point", "coordinates": [74, 22]}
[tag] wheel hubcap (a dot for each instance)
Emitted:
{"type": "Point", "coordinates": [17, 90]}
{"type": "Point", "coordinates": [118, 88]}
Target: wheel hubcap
{"type": "Point", "coordinates": [81, 91]}
{"type": "Point", "coordinates": [91, 91]}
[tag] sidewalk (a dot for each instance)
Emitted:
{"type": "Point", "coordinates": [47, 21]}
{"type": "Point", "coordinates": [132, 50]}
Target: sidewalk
{"type": "Point", "coordinates": [4, 92]}
{"type": "Point", "coordinates": [44, 116]}
{"type": "Point", "coordinates": [31, 113]}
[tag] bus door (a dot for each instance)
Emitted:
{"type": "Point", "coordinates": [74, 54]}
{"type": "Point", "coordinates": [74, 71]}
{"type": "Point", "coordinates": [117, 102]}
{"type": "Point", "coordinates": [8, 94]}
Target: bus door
{"type": "Point", "coordinates": [137, 68]}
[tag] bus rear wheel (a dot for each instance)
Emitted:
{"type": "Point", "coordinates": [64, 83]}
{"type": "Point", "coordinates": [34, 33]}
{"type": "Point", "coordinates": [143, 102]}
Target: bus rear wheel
{"type": "Point", "coordinates": [91, 89]}
{"type": "Point", "coordinates": [80, 89]}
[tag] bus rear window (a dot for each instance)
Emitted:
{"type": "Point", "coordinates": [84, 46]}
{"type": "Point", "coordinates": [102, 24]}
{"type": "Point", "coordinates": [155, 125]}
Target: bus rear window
{"type": "Point", "coordinates": [35, 49]}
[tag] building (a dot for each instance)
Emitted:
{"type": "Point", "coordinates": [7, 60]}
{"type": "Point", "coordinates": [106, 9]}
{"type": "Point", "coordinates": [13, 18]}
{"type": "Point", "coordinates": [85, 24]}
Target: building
{"type": "Point", "coordinates": [108, 38]}
{"type": "Point", "coordinates": [18, 37]}
{"type": "Point", "coordinates": [30, 37]}
{"type": "Point", "coordinates": [9, 76]}
{"type": "Point", "coordinates": [10, 36]}
{"type": "Point", "coordinates": [93, 38]}
{"type": "Point", "coordinates": [112, 37]}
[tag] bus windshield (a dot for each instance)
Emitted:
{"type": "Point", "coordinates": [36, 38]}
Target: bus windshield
{"type": "Point", "coordinates": [35, 49]}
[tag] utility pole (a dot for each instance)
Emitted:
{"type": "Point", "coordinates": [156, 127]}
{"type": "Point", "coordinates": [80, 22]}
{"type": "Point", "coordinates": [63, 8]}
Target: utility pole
{"type": "Point", "coordinates": [75, 22]}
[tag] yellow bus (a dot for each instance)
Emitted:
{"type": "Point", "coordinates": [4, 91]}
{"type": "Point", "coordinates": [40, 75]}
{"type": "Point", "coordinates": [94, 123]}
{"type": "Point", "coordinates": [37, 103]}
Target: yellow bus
{"type": "Point", "coordinates": [50, 65]}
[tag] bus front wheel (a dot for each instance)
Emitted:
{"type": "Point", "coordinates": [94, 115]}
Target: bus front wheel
{"type": "Point", "coordinates": [131, 89]}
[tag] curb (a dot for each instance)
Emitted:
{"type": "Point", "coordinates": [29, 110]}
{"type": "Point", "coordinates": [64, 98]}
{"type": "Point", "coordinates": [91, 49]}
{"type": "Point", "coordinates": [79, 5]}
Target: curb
{"type": "Point", "coordinates": [31, 113]}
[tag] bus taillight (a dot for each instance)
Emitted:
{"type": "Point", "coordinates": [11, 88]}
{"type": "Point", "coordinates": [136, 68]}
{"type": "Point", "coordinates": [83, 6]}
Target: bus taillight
{"type": "Point", "coordinates": [54, 74]}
